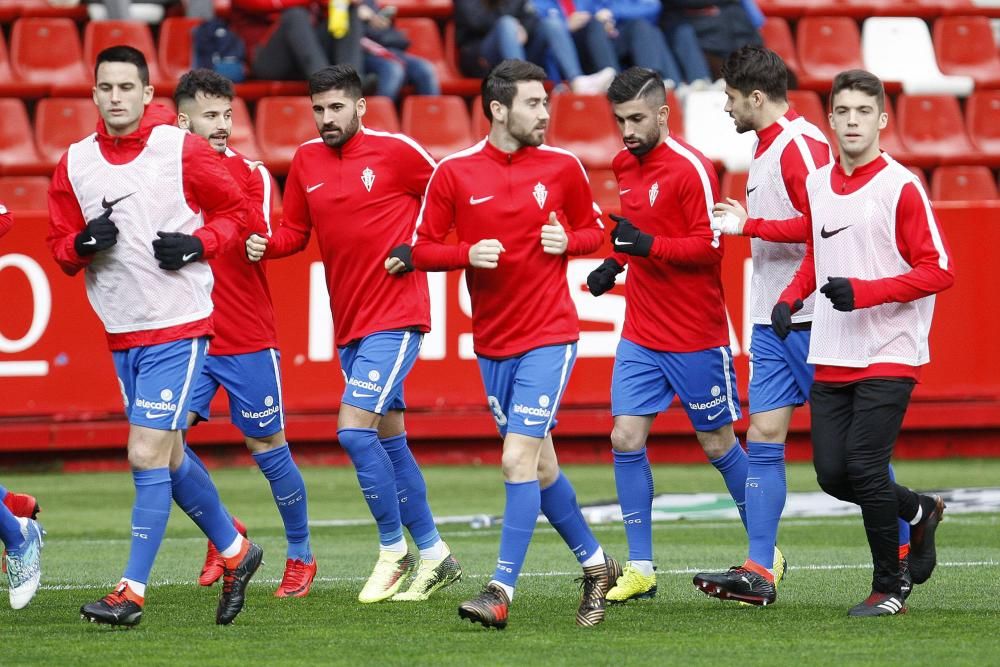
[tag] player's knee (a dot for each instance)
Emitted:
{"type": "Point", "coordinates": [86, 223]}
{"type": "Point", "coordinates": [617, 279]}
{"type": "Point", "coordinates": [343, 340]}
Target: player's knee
{"type": "Point", "coordinates": [863, 475]}
{"type": "Point", "coordinates": [833, 481]}
{"type": "Point", "coordinates": [624, 439]}
{"type": "Point", "coordinates": [766, 432]}
{"type": "Point", "coordinates": [548, 473]}
{"type": "Point", "coordinates": [146, 458]}
{"type": "Point", "coordinates": [519, 465]}
{"type": "Point", "coordinates": [266, 443]}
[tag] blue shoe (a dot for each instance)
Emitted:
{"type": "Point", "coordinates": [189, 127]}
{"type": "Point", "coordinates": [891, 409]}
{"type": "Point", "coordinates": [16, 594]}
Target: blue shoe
{"type": "Point", "coordinates": [24, 564]}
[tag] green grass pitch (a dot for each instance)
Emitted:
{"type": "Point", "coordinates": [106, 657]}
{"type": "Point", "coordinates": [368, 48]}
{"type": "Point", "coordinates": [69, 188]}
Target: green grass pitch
{"type": "Point", "coordinates": [953, 619]}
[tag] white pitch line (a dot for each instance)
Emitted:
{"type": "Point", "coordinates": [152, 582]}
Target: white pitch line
{"type": "Point", "coordinates": [553, 573]}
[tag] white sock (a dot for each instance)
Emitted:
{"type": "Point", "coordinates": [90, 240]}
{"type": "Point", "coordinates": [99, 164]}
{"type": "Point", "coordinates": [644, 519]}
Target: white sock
{"type": "Point", "coordinates": [399, 546]}
{"type": "Point", "coordinates": [137, 588]}
{"type": "Point", "coordinates": [645, 567]}
{"type": "Point", "coordinates": [436, 551]}
{"type": "Point", "coordinates": [234, 548]}
{"type": "Point", "coordinates": [597, 558]}
{"type": "Point", "coordinates": [509, 590]}
{"type": "Point", "coordinates": [920, 515]}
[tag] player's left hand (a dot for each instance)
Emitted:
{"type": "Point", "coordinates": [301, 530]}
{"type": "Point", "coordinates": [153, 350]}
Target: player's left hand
{"type": "Point", "coordinates": [400, 260]}
{"type": "Point", "coordinates": [629, 239]}
{"type": "Point", "coordinates": [256, 246]}
{"type": "Point", "coordinates": [729, 217]}
{"type": "Point", "coordinates": [174, 250]}
{"type": "Point", "coordinates": [554, 238]}
{"type": "Point", "coordinates": [840, 292]}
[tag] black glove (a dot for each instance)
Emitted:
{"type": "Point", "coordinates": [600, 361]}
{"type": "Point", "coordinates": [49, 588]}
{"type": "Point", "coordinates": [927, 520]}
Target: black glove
{"type": "Point", "coordinates": [840, 292]}
{"type": "Point", "coordinates": [100, 234]}
{"type": "Point", "coordinates": [602, 278]}
{"type": "Point", "coordinates": [403, 253]}
{"type": "Point", "coordinates": [174, 249]}
{"type": "Point", "coordinates": [781, 317]}
{"type": "Point", "coordinates": [629, 239]}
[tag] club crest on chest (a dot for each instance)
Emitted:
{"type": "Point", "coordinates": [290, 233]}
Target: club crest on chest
{"type": "Point", "coordinates": [540, 194]}
{"type": "Point", "coordinates": [368, 178]}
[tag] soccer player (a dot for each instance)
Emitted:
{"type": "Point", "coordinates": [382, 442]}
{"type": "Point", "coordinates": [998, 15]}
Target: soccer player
{"type": "Point", "coordinates": [675, 340]}
{"type": "Point", "coordinates": [788, 149]}
{"type": "Point", "coordinates": [519, 208]}
{"type": "Point", "coordinates": [20, 533]}
{"type": "Point", "coordinates": [244, 357]}
{"type": "Point", "coordinates": [138, 205]}
{"type": "Point", "coordinates": [881, 256]}
{"type": "Point", "coordinates": [361, 190]}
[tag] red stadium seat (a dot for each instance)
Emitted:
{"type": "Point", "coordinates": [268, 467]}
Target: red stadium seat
{"type": "Point", "coordinates": [919, 173]}
{"type": "Point", "coordinates": [435, 8]}
{"type": "Point", "coordinates": [604, 185]}
{"type": "Point", "coordinates": [778, 37]}
{"type": "Point", "coordinates": [381, 114]}
{"type": "Point", "coordinates": [283, 123]}
{"type": "Point", "coordinates": [932, 128]}
{"type": "Point", "coordinates": [964, 45]}
{"type": "Point", "coordinates": [242, 139]}
{"type": "Point", "coordinates": [891, 143]}
{"type": "Point", "coordinates": [438, 123]}
{"type": "Point", "coordinates": [675, 120]}
{"type": "Point", "coordinates": [961, 183]}
{"type": "Point", "coordinates": [809, 105]}
{"type": "Point", "coordinates": [99, 35]}
{"type": "Point", "coordinates": [167, 102]}
{"type": "Point", "coordinates": [734, 186]}
{"type": "Point", "coordinates": [47, 52]}
{"type": "Point", "coordinates": [24, 193]}
{"type": "Point", "coordinates": [425, 42]}
{"type": "Point", "coordinates": [827, 45]}
{"type": "Point", "coordinates": [585, 126]}
{"type": "Point", "coordinates": [9, 87]}
{"type": "Point", "coordinates": [982, 118]}
{"type": "Point", "coordinates": [60, 122]}
{"type": "Point", "coordinates": [175, 47]}
{"type": "Point", "coordinates": [480, 124]}
{"type": "Point", "coordinates": [17, 147]}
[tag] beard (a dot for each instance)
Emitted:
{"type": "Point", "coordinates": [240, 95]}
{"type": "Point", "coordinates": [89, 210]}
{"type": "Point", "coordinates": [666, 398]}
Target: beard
{"type": "Point", "coordinates": [338, 140]}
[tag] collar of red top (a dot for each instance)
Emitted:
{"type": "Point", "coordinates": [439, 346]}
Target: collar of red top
{"type": "Point", "coordinates": [353, 143]}
{"type": "Point", "coordinates": [864, 171]}
{"type": "Point", "coordinates": [155, 114]}
{"type": "Point", "coordinates": [767, 136]}
{"type": "Point", "coordinates": [654, 153]}
{"type": "Point", "coordinates": [504, 157]}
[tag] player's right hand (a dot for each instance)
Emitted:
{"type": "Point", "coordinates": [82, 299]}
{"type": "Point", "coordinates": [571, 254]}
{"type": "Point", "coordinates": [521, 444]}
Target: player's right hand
{"type": "Point", "coordinates": [99, 234]}
{"type": "Point", "coordinates": [781, 317]}
{"type": "Point", "coordinates": [602, 278]}
{"type": "Point", "coordinates": [400, 259]}
{"type": "Point", "coordinates": [256, 245]}
{"type": "Point", "coordinates": [729, 217]}
{"type": "Point", "coordinates": [485, 254]}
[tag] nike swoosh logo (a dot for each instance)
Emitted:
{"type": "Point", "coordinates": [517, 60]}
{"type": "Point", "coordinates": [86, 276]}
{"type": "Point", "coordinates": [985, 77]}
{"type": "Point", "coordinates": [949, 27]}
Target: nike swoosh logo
{"type": "Point", "coordinates": [92, 241]}
{"type": "Point", "coordinates": [263, 424]}
{"type": "Point", "coordinates": [314, 187]}
{"type": "Point", "coordinates": [749, 190]}
{"type": "Point", "coordinates": [157, 415]}
{"type": "Point", "coordinates": [534, 422]}
{"type": "Point", "coordinates": [476, 202]}
{"type": "Point", "coordinates": [189, 256]}
{"type": "Point", "coordinates": [712, 417]}
{"type": "Point", "coordinates": [827, 234]}
{"type": "Point", "coordinates": [506, 562]}
{"type": "Point", "coordinates": [142, 527]}
{"type": "Point", "coordinates": [624, 192]}
{"type": "Point", "coordinates": [625, 516]}
{"type": "Point", "coordinates": [289, 495]}
{"type": "Point", "coordinates": [617, 242]}
{"type": "Point", "coordinates": [108, 204]}
{"type": "Point", "coordinates": [355, 394]}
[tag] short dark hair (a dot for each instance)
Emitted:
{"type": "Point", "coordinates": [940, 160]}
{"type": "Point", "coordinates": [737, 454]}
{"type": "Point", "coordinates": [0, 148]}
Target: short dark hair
{"type": "Point", "coordinates": [337, 77]}
{"type": "Point", "coordinates": [860, 80]}
{"type": "Point", "coordinates": [751, 68]}
{"type": "Point", "coordinates": [501, 83]}
{"type": "Point", "coordinates": [124, 54]}
{"type": "Point", "coordinates": [204, 81]}
{"type": "Point", "coordinates": [635, 83]}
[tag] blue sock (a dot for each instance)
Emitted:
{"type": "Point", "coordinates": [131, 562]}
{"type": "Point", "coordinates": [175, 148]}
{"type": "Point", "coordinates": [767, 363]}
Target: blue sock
{"type": "Point", "coordinates": [414, 510]}
{"type": "Point", "coordinates": [149, 521]}
{"type": "Point", "coordinates": [289, 491]}
{"type": "Point", "coordinates": [634, 481]}
{"type": "Point", "coordinates": [765, 498]}
{"type": "Point", "coordinates": [559, 505]}
{"type": "Point", "coordinates": [904, 526]}
{"type": "Point", "coordinates": [10, 528]}
{"type": "Point", "coordinates": [3, 492]}
{"type": "Point", "coordinates": [195, 493]}
{"type": "Point", "coordinates": [201, 464]}
{"type": "Point", "coordinates": [733, 466]}
{"type": "Point", "coordinates": [520, 514]}
{"type": "Point", "coordinates": [377, 479]}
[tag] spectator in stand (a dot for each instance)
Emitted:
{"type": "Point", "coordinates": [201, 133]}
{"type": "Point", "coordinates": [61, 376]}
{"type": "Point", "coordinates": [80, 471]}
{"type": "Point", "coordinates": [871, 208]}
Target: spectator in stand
{"type": "Point", "coordinates": [489, 31]}
{"type": "Point", "coordinates": [123, 10]}
{"type": "Point", "coordinates": [385, 54]}
{"type": "Point", "coordinates": [720, 26]}
{"type": "Point", "coordinates": [578, 41]}
{"type": "Point", "coordinates": [292, 39]}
